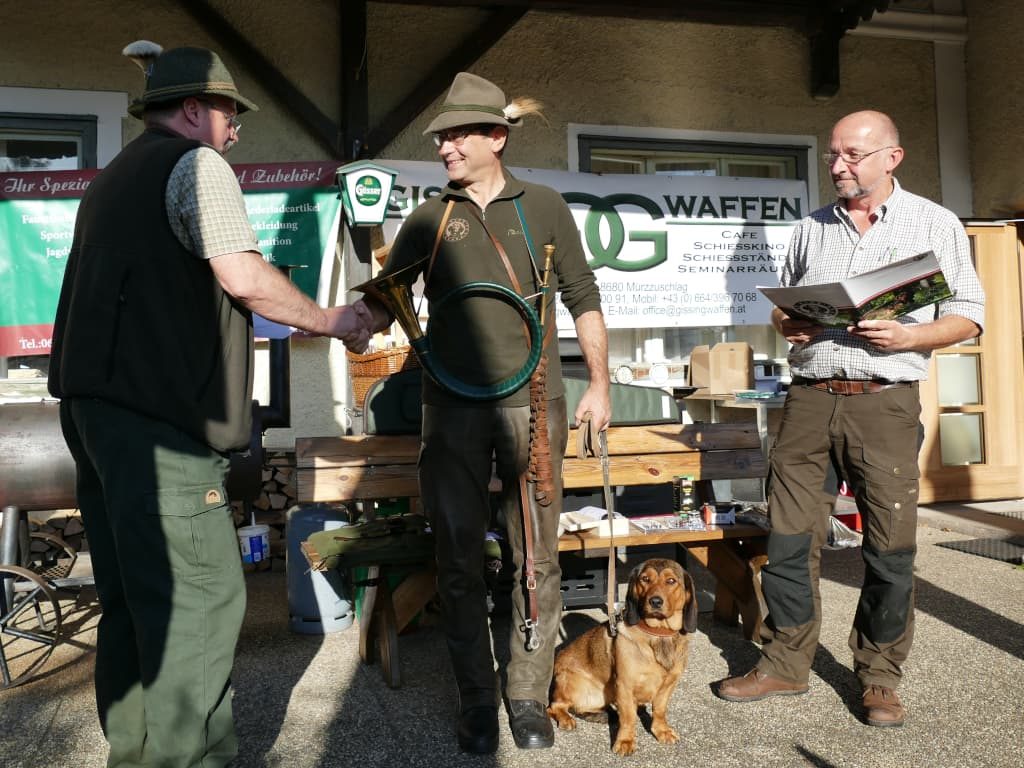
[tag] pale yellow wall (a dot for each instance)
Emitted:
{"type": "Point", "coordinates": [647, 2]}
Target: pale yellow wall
{"type": "Point", "coordinates": [995, 84]}
{"type": "Point", "coordinates": [587, 70]}
{"type": "Point", "coordinates": [667, 75]}
{"type": "Point", "coordinates": [50, 44]}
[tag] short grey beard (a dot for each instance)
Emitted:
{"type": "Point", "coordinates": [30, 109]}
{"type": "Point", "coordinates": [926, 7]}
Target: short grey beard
{"type": "Point", "coordinates": [857, 192]}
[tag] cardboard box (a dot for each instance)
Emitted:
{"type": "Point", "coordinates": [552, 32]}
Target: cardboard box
{"type": "Point", "coordinates": [731, 367]}
{"type": "Point", "coordinates": [698, 374]}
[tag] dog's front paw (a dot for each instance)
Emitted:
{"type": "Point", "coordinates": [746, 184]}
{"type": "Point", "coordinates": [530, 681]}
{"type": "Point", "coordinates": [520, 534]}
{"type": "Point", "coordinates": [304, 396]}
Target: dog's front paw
{"type": "Point", "coordinates": [624, 746]}
{"type": "Point", "coordinates": [665, 734]}
{"type": "Point", "coordinates": [562, 718]}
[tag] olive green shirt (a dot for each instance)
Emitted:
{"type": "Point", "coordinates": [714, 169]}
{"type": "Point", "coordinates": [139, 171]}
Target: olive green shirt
{"type": "Point", "coordinates": [481, 339]}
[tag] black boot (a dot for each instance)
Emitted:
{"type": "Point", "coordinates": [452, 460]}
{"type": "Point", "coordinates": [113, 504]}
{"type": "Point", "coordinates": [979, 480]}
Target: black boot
{"type": "Point", "coordinates": [478, 730]}
{"type": "Point", "coordinates": [531, 726]}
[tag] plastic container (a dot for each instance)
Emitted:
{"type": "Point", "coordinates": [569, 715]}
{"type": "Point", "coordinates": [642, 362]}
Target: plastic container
{"type": "Point", "coordinates": [318, 602]}
{"type": "Point", "coordinates": [254, 542]}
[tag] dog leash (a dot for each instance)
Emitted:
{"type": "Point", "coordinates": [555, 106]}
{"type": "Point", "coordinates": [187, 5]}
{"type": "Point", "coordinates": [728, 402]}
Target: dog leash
{"type": "Point", "coordinates": [585, 440]}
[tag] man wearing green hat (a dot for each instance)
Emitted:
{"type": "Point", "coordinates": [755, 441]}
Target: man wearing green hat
{"type": "Point", "coordinates": [488, 226]}
{"type": "Point", "coordinates": [153, 361]}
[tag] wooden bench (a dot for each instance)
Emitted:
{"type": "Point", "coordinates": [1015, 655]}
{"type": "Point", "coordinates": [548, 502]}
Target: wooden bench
{"type": "Point", "coordinates": [368, 467]}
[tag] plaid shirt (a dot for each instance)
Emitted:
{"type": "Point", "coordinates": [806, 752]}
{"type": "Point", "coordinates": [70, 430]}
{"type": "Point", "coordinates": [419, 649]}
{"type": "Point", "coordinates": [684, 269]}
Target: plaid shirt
{"type": "Point", "coordinates": [827, 247]}
{"type": "Point", "coordinates": [205, 206]}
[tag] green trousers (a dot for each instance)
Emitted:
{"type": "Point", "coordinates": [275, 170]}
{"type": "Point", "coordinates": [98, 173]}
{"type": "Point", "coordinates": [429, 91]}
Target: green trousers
{"type": "Point", "coordinates": [169, 579]}
{"type": "Point", "coordinates": [874, 440]}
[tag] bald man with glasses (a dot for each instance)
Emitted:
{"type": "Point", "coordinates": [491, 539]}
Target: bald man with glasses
{"type": "Point", "coordinates": [854, 404]}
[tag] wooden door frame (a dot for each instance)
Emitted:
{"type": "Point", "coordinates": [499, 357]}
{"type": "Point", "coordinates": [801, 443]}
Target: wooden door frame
{"type": "Point", "coordinates": [996, 248]}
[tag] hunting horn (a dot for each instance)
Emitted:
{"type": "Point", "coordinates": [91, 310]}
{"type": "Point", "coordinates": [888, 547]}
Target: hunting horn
{"type": "Point", "coordinates": [393, 290]}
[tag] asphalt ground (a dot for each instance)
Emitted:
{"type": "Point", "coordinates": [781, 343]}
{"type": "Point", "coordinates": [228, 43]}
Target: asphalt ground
{"type": "Point", "coordinates": [305, 701]}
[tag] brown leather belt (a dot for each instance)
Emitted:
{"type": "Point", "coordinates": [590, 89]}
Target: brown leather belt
{"type": "Point", "coordinates": [850, 386]}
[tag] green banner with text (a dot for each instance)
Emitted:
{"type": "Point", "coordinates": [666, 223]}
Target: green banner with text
{"type": "Point", "coordinates": [294, 210]}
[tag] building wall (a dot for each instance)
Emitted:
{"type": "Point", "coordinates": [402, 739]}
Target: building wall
{"type": "Point", "coordinates": [586, 70]}
{"type": "Point", "coordinates": [995, 93]}
{"type": "Point", "coordinates": [668, 75]}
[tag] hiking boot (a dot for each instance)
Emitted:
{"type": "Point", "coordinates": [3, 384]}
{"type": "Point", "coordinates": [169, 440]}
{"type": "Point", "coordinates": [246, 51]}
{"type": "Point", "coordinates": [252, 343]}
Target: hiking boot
{"type": "Point", "coordinates": [531, 726]}
{"type": "Point", "coordinates": [882, 707]}
{"type": "Point", "coordinates": [478, 730]}
{"type": "Point", "coordinates": [757, 685]}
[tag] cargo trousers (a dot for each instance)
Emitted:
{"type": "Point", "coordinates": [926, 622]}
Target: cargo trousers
{"type": "Point", "coordinates": [459, 445]}
{"type": "Point", "coordinates": [169, 578]}
{"type": "Point", "coordinates": [873, 438]}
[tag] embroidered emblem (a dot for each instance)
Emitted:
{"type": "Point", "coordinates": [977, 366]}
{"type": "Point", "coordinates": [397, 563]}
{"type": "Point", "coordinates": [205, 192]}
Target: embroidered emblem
{"type": "Point", "coordinates": [456, 230]}
{"type": "Point", "coordinates": [213, 496]}
{"type": "Point", "coordinates": [514, 232]}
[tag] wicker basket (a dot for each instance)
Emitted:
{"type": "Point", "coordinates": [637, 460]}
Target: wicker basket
{"type": "Point", "coordinates": [366, 369]}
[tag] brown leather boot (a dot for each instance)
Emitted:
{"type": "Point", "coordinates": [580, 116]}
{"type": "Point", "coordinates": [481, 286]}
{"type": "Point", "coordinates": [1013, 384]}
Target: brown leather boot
{"type": "Point", "coordinates": [882, 707]}
{"type": "Point", "coordinates": [756, 685]}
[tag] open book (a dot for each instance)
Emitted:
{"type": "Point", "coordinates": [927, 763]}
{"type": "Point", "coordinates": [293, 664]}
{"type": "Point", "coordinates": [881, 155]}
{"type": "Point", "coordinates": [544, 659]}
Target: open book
{"type": "Point", "coordinates": [881, 294]}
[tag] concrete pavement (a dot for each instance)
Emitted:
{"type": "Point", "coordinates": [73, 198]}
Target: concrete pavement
{"type": "Point", "coordinates": [306, 701]}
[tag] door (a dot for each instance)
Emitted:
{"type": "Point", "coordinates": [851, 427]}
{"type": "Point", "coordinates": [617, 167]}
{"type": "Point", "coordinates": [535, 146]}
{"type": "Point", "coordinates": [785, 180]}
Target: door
{"type": "Point", "coordinates": [972, 403]}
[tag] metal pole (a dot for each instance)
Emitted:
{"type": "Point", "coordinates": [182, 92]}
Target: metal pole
{"type": "Point", "coordinates": [9, 551]}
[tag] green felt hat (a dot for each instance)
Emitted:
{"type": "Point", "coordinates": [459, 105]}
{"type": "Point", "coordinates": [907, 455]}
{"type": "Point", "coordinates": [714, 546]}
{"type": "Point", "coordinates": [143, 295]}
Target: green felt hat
{"type": "Point", "coordinates": [180, 72]}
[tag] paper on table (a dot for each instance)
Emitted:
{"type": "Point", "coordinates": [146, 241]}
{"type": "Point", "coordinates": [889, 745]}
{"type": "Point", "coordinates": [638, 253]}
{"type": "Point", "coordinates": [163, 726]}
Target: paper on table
{"type": "Point", "coordinates": [587, 518]}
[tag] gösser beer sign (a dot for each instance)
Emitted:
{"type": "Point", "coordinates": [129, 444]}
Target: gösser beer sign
{"type": "Point", "coordinates": [365, 192]}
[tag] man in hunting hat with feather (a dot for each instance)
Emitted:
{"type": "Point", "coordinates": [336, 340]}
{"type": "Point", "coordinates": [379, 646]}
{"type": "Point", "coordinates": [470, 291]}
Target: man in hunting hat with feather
{"type": "Point", "coordinates": [490, 227]}
{"type": "Point", "coordinates": [153, 361]}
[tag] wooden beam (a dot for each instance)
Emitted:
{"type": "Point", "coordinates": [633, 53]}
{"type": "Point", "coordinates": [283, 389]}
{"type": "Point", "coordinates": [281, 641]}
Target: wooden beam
{"type": "Point", "coordinates": [382, 481]}
{"type": "Point", "coordinates": [354, 79]}
{"type": "Point", "coordinates": [375, 450]}
{"type": "Point", "coordinates": [425, 92]}
{"type": "Point", "coordinates": [825, 64]}
{"type": "Point", "coordinates": [732, 12]}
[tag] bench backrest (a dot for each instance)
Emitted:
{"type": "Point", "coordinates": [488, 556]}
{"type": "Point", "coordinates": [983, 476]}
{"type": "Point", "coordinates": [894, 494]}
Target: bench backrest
{"type": "Point", "coordinates": [360, 467]}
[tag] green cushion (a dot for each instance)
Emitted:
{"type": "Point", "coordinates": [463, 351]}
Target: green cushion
{"type": "Point", "coordinates": [395, 540]}
{"type": "Point", "coordinates": [393, 405]}
{"type": "Point", "coordinates": [631, 404]}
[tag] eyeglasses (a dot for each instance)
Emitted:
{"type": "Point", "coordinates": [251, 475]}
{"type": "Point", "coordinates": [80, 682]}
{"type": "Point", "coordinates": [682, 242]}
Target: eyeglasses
{"type": "Point", "coordinates": [457, 136]}
{"type": "Point", "coordinates": [850, 158]}
{"type": "Point", "coordinates": [233, 122]}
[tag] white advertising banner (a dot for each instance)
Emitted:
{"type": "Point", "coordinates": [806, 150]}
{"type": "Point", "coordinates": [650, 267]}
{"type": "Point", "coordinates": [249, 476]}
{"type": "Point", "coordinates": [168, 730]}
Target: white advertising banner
{"type": "Point", "coordinates": [668, 251]}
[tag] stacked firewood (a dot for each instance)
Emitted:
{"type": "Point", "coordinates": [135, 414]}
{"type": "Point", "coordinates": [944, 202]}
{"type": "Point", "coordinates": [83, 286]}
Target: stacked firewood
{"type": "Point", "coordinates": [276, 496]}
{"type": "Point", "coordinates": [67, 524]}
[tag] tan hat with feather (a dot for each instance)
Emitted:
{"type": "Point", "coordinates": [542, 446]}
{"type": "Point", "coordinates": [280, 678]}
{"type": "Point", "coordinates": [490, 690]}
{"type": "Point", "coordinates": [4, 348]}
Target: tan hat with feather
{"type": "Point", "coordinates": [472, 100]}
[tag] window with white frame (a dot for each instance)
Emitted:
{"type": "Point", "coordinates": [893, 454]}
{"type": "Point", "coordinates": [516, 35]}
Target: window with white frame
{"type": "Point", "coordinates": [47, 142]}
{"type": "Point", "coordinates": [614, 154]}
{"type": "Point", "coordinates": [47, 129]}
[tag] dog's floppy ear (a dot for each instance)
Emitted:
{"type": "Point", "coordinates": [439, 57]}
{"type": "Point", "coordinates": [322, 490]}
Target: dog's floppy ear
{"type": "Point", "coordinates": [632, 602]}
{"type": "Point", "coordinates": [690, 609]}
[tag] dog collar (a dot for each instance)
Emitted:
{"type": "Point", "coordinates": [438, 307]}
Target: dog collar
{"type": "Point", "coordinates": [656, 631]}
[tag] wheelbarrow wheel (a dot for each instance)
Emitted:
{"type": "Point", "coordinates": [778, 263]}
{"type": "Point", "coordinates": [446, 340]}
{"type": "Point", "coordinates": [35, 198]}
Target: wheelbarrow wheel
{"type": "Point", "coordinates": [29, 624]}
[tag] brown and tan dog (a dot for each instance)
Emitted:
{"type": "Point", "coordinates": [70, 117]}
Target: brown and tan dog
{"type": "Point", "coordinates": [641, 664]}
